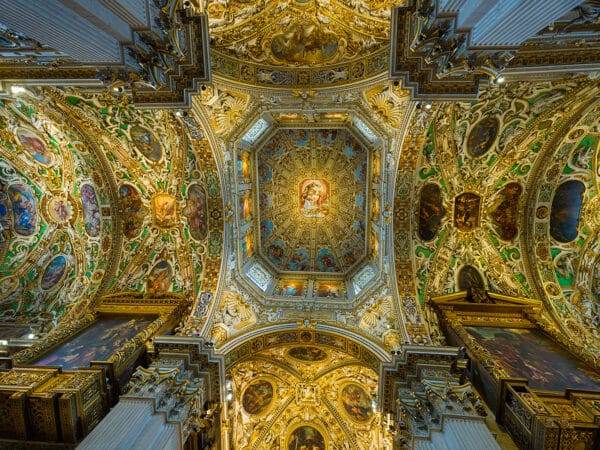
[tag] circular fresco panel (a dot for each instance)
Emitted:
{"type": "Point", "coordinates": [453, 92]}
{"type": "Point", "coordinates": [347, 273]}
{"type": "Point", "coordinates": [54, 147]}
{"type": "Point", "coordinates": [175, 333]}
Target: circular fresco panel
{"type": "Point", "coordinates": [257, 397]}
{"type": "Point", "coordinates": [356, 402]}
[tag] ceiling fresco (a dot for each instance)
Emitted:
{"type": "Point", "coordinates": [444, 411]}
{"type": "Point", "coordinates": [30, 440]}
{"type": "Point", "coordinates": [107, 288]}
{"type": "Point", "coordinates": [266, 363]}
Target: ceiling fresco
{"type": "Point", "coordinates": [296, 395]}
{"type": "Point", "coordinates": [100, 197]}
{"type": "Point", "coordinates": [55, 214]}
{"type": "Point", "coordinates": [480, 166]}
{"type": "Point", "coordinates": [299, 42]}
{"type": "Point", "coordinates": [312, 191]}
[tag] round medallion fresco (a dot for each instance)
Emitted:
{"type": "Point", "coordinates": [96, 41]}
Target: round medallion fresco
{"type": "Point", "coordinates": [307, 354]}
{"type": "Point", "coordinates": [356, 402]}
{"type": "Point", "coordinates": [59, 209]}
{"type": "Point", "coordinates": [257, 397]}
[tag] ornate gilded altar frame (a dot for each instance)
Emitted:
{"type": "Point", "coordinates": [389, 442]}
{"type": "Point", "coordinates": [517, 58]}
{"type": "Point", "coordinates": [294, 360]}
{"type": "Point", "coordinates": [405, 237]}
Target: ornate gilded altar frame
{"type": "Point", "coordinates": [488, 309]}
{"type": "Point", "coordinates": [166, 311]}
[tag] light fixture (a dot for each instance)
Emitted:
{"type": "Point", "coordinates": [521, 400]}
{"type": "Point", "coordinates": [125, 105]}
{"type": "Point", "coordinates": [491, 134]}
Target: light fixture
{"type": "Point", "coordinates": [427, 105]}
{"type": "Point", "coordinates": [3, 342]}
{"type": "Point", "coordinates": [31, 336]}
{"type": "Point", "coordinates": [500, 79]}
{"type": "Point", "coordinates": [17, 89]}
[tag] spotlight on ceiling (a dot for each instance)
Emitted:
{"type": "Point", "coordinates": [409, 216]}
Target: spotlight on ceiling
{"type": "Point", "coordinates": [500, 80]}
{"type": "Point", "coordinates": [17, 90]}
{"type": "Point", "coordinates": [427, 105]}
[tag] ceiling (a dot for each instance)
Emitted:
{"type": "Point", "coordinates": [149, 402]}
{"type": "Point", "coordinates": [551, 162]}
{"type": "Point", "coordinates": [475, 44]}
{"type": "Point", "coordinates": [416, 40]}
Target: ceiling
{"type": "Point", "coordinates": [301, 185]}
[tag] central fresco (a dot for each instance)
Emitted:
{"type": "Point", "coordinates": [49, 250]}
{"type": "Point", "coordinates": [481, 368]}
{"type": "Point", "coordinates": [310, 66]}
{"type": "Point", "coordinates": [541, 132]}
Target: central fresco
{"type": "Point", "coordinates": [312, 200]}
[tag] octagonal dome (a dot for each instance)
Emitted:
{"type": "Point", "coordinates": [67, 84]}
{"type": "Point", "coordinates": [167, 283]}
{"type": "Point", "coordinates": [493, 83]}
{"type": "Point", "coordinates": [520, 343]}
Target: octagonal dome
{"type": "Point", "coordinates": [308, 205]}
{"type": "Point", "coordinates": [312, 200]}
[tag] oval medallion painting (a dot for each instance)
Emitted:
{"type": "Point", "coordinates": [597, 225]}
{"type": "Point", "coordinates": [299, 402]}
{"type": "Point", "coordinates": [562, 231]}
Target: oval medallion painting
{"type": "Point", "coordinates": [146, 143]}
{"type": "Point", "coordinates": [356, 403]}
{"type": "Point", "coordinates": [24, 209]}
{"type": "Point", "coordinates": [307, 354]}
{"type": "Point", "coordinates": [306, 437]}
{"type": "Point", "coordinates": [54, 272]}
{"type": "Point", "coordinates": [257, 397]}
{"type": "Point", "coordinates": [482, 136]}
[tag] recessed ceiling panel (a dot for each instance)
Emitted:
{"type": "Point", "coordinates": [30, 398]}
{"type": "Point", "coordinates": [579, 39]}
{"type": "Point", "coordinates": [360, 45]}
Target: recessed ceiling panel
{"type": "Point", "coordinates": [312, 189]}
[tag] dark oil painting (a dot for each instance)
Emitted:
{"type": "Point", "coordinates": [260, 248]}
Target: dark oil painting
{"type": "Point", "coordinates": [307, 353]}
{"type": "Point", "coordinates": [356, 402]}
{"type": "Point", "coordinates": [504, 216]}
{"type": "Point", "coordinates": [466, 211]}
{"type": "Point", "coordinates": [96, 343]}
{"type": "Point", "coordinates": [431, 211]}
{"type": "Point", "coordinates": [470, 278]}
{"type": "Point", "coordinates": [306, 437]}
{"type": "Point", "coordinates": [529, 354]}
{"type": "Point", "coordinates": [566, 205]}
{"type": "Point", "coordinates": [257, 397]}
{"type": "Point", "coordinates": [482, 136]}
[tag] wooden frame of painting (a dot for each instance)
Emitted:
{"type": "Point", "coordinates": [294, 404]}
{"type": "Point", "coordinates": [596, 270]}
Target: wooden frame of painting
{"type": "Point", "coordinates": [119, 328]}
{"type": "Point", "coordinates": [508, 341]}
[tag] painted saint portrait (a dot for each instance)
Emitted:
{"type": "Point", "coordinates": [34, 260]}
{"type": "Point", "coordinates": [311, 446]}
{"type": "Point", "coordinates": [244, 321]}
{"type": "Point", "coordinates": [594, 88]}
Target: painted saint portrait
{"type": "Point", "coordinates": [244, 166]}
{"type": "Point", "coordinates": [131, 203]}
{"type": "Point", "coordinates": [360, 174]}
{"type": "Point", "coordinates": [160, 277]}
{"type": "Point", "coordinates": [265, 173]}
{"type": "Point", "coordinates": [24, 209]}
{"type": "Point", "coordinates": [306, 437]}
{"type": "Point", "coordinates": [299, 137]}
{"type": "Point", "coordinates": [265, 201]}
{"type": "Point", "coordinates": [431, 211]}
{"type": "Point", "coordinates": [505, 215]}
{"type": "Point", "coordinates": [356, 402]}
{"type": "Point", "coordinates": [482, 136]}
{"type": "Point", "coordinates": [96, 343]}
{"type": "Point", "coordinates": [314, 198]}
{"type": "Point", "coordinates": [248, 243]}
{"type": "Point", "coordinates": [146, 143]}
{"type": "Point", "coordinates": [196, 211]}
{"type": "Point", "coordinates": [299, 260]}
{"type": "Point", "coordinates": [329, 290]}
{"type": "Point", "coordinates": [470, 278]}
{"type": "Point", "coordinates": [257, 397]}
{"type": "Point", "coordinates": [54, 272]}
{"type": "Point", "coordinates": [36, 147]}
{"type": "Point", "coordinates": [276, 252]}
{"type": "Point", "coordinates": [566, 206]}
{"type": "Point", "coordinates": [245, 207]}
{"type": "Point", "coordinates": [273, 147]}
{"type": "Point", "coordinates": [307, 353]}
{"type": "Point", "coordinates": [327, 136]}
{"type": "Point", "coordinates": [165, 212]}
{"type": "Point", "coordinates": [59, 209]}
{"type": "Point", "coordinates": [91, 210]}
{"type": "Point", "coordinates": [305, 43]}
{"type": "Point", "coordinates": [529, 354]}
{"type": "Point", "coordinates": [326, 261]}
{"type": "Point", "coordinates": [292, 288]}
{"type": "Point", "coordinates": [266, 228]}
{"type": "Point", "coordinates": [359, 228]}
{"type": "Point", "coordinates": [466, 211]}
